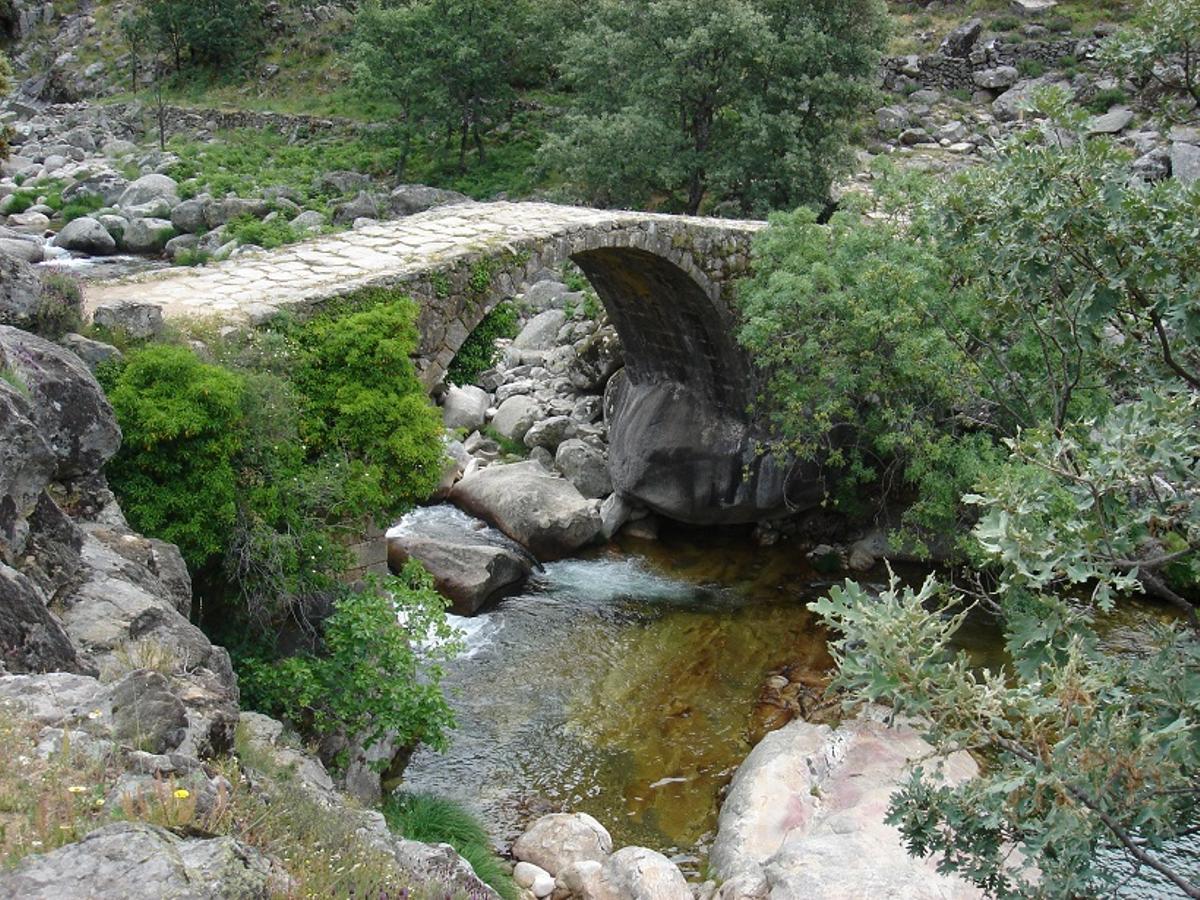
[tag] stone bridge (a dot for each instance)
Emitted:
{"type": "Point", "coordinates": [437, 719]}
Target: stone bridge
{"type": "Point", "coordinates": [681, 439]}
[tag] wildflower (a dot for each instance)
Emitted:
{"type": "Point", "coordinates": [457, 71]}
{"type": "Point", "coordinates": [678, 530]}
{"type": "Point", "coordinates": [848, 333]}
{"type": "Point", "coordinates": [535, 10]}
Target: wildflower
{"type": "Point", "coordinates": [94, 714]}
{"type": "Point", "coordinates": [182, 794]}
{"type": "Point", "coordinates": [77, 789]}
{"type": "Point", "coordinates": [100, 801]}
{"type": "Point", "coordinates": [35, 843]}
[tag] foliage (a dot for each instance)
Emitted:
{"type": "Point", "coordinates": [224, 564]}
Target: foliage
{"type": "Point", "coordinates": [58, 311]}
{"type": "Point", "coordinates": [435, 820]}
{"type": "Point", "coordinates": [1059, 301]}
{"type": "Point", "coordinates": [5, 87]}
{"type": "Point", "coordinates": [1106, 99]}
{"type": "Point", "coordinates": [1161, 47]}
{"type": "Point", "coordinates": [175, 472]}
{"type": "Point", "coordinates": [449, 65]}
{"type": "Point", "coordinates": [478, 351]}
{"type": "Point", "coordinates": [736, 105]}
{"type": "Point", "coordinates": [1031, 68]}
{"type": "Point", "coordinates": [81, 206]}
{"type": "Point", "coordinates": [269, 235]}
{"type": "Point", "coordinates": [1034, 292]}
{"type": "Point", "coordinates": [212, 34]}
{"type": "Point", "coordinates": [362, 398]}
{"type": "Point", "coordinates": [379, 675]}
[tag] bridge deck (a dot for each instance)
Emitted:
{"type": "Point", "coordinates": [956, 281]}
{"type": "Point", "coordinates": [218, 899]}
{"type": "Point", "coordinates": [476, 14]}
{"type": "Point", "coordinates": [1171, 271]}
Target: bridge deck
{"type": "Point", "coordinates": [326, 266]}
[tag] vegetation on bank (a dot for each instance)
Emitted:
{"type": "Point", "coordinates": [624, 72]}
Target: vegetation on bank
{"type": "Point", "coordinates": [1015, 351]}
{"type": "Point", "coordinates": [435, 820]}
{"type": "Point", "coordinates": [58, 799]}
{"type": "Point", "coordinates": [262, 456]}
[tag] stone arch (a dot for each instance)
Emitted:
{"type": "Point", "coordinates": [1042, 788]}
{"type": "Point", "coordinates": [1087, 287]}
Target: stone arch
{"type": "Point", "coordinates": [682, 440]}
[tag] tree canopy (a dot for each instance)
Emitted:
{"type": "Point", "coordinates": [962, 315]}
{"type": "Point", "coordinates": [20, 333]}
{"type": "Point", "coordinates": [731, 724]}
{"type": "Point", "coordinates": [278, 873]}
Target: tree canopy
{"type": "Point", "coordinates": [734, 105]}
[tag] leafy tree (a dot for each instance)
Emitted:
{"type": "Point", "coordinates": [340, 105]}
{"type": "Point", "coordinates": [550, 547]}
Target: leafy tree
{"type": "Point", "coordinates": [379, 675]}
{"type": "Point", "coordinates": [1162, 46]}
{"type": "Point", "coordinates": [175, 471]}
{"type": "Point", "coordinates": [213, 34]}
{"type": "Point", "coordinates": [450, 65]}
{"type": "Point", "coordinates": [741, 105]}
{"type": "Point", "coordinates": [1046, 307]}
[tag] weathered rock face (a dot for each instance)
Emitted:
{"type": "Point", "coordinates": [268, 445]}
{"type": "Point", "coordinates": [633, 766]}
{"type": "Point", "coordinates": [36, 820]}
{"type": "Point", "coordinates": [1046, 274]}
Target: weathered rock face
{"type": "Point", "coordinates": [471, 564]}
{"type": "Point", "coordinates": [687, 460]}
{"type": "Point", "coordinates": [20, 291]}
{"type": "Point", "coordinates": [543, 513]}
{"type": "Point", "coordinates": [804, 817]}
{"type": "Point", "coordinates": [142, 862]}
{"type": "Point", "coordinates": [31, 639]}
{"type": "Point", "coordinates": [67, 403]}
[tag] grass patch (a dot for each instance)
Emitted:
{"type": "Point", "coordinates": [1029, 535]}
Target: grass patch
{"type": "Point", "coordinates": [268, 235]}
{"type": "Point", "coordinates": [435, 820]}
{"type": "Point", "coordinates": [82, 206]}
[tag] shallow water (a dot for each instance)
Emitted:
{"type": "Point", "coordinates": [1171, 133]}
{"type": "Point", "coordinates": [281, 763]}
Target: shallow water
{"type": "Point", "coordinates": [623, 684]}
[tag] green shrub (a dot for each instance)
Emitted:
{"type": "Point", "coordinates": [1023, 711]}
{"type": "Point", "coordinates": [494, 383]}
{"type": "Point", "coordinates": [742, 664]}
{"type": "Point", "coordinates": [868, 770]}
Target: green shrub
{"type": "Point", "coordinates": [1006, 23]}
{"type": "Point", "coordinates": [433, 819]}
{"type": "Point", "coordinates": [20, 201]}
{"type": "Point", "coordinates": [59, 310]}
{"type": "Point", "coordinates": [175, 472]}
{"type": "Point", "coordinates": [1060, 24]}
{"type": "Point", "coordinates": [361, 397]}
{"type": "Point", "coordinates": [1031, 68]}
{"type": "Point", "coordinates": [192, 257]}
{"type": "Point", "coordinates": [82, 206]}
{"type": "Point", "coordinates": [1106, 99]}
{"type": "Point", "coordinates": [268, 235]}
{"type": "Point", "coordinates": [478, 351]}
{"type": "Point", "coordinates": [376, 677]}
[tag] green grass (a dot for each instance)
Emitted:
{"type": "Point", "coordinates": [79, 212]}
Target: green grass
{"type": "Point", "coordinates": [435, 820]}
{"type": "Point", "coordinates": [268, 235]}
{"type": "Point", "coordinates": [82, 206]}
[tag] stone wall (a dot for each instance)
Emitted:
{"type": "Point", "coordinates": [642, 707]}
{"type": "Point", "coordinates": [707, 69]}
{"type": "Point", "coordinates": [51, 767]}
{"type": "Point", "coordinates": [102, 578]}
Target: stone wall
{"type": "Point", "coordinates": [957, 73]}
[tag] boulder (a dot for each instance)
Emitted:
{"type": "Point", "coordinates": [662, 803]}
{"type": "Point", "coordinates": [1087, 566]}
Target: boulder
{"type": "Point", "coordinates": [892, 119]}
{"type": "Point", "coordinates": [546, 294]}
{"type": "Point", "coordinates": [408, 199]}
{"type": "Point", "coordinates": [137, 861]}
{"type": "Point", "coordinates": [541, 333]}
{"type": "Point", "coordinates": [465, 407]}
{"type": "Point", "coordinates": [309, 220]}
{"type": "Point", "coordinates": [138, 320]}
{"type": "Point", "coordinates": [1112, 122]}
{"type": "Point", "coordinates": [31, 639]}
{"type": "Point", "coordinates": [996, 78]}
{"type": "Point", "coordinates": [585, 467]}
{"type": "Point", "coordinates": [27, 464]}
{"type": "Point", "coordinates": [147, 236]}
{"type": "Point", "coordinates": [549, 433]}
{"type": "Point", "coordinates": [150, 189]}
{"type": "Point", "coordinates": [636, 873]}
{"type": "Point", "coordinates": [32, 221]}
{"type": "Point", "coordinates": [1011, 105]}
{"type": "Point", "coordinates": [340, 182]}
{"type": "Point", "coordinates": [191, 216]}
{"type": "Point", "coordinates": [597, 358]}
{"type": "Point", "coordinates": [20, 291]}
{"type": "Point", "coordinates": [545, 514]}
{"type": "Point", "coordinates": [959, 42]}
{"type": "Point", "coordinates": [222, 212]}
{"type": "Point", "coordinates": [108, 186]}
{"type": "Point", "coordinates": [471, 565]}
{"type": "Point", "coordinates": [516, 416]}
{"type": "Point", "coordinates": [1185, 162]}
{"type": "Point", "coordinates": [364, 205]}
{"type": "Point", "coordinates": [180, 244]}
{"type": "Point", "coordinates": [1032, 7]}
{"type": "Point", "coordinates": [614, 513]}
{"type": "Point", "coordinates": [68, 405]}
{"type": "Point", "coordinates": [804, 816]}
{"type": "Point", "coordinates": [27, 251]}
{"type": "Point", "coordinates": [86, 235]}
{"type": "Point", "coordinates": [556, 841]}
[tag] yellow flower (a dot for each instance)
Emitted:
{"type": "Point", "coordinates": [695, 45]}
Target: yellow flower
{"type": "Point", "coordinates": [94, 714]}
{"type": "Point", "coordinates": [77, 789]}
{"type": "Point", "coordinates": [182, 794]}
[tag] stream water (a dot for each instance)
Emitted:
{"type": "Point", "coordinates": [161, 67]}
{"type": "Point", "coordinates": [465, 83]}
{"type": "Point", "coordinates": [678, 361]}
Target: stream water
{"type": "Point", "coordinates": [623, 684]}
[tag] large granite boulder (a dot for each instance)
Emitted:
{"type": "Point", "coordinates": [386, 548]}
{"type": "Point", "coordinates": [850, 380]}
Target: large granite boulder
{"type": "Point", "coordinates": [543, 513]}
{"type": "Point", "coordinates": [556, 841]}
{"type": "Point", "coordinates": [150, 189]}
{"type": "Point", "coordinates": [408, 199]}
{"type": "Point", "coordinates": [27, 464]}
{"type": "Point", "coordinates": [959, 42]}
{"type": "Point", "coordinates": [683, 457]}
{"type": "Point", "coordinates": [515, 416]}
{"type": "Point", "coordinates": [108, 186]}
{"type": "Point", "coordinates": [88, 236]}
{"type": "Point", "coordinates": [804, 817]}
{"type": "Point", "coordinates": [20, 291]}
{"type": "Point", "coordinates": [465, 407]}
{"type": "Point", "coordinates": [137, 861]}
{"type": "Point", "coordinates": [585, 467]}
{"type": "Point", "coordinates": [472, 565]}
{"type": "Point", "coordinates": [541, 333]}
{"type": "Point", "coordinates": [68, 405]}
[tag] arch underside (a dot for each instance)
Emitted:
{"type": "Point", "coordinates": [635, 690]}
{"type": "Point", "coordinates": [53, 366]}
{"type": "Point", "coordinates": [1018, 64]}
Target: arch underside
{"type": "Point", "coordinates": [681, 440]}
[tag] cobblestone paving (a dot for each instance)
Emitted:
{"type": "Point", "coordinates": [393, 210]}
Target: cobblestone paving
{"type": "Point", "coordinates": [255, 285]}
